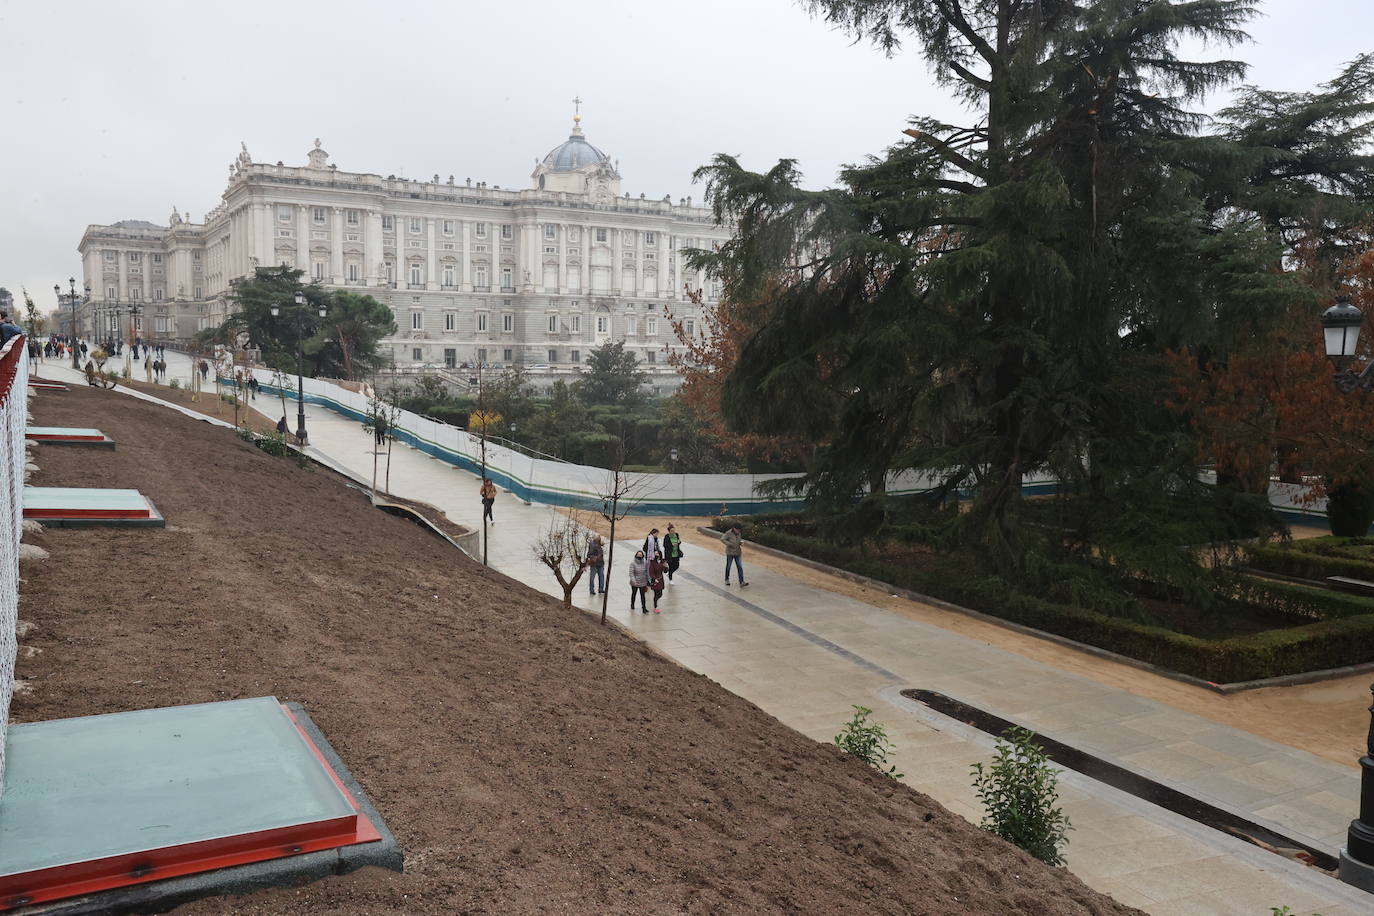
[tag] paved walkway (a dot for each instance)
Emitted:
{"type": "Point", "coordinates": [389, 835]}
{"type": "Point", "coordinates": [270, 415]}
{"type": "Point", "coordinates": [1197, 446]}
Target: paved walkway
{"type": "Point", "coordinates": [806, 656]}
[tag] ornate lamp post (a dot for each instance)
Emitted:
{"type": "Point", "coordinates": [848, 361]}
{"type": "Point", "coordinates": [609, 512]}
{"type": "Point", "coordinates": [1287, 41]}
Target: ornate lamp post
{"type": "Point", "coordinates": [135, 310]}
{"type": "Point", "coordinates": [73, 301]}
{"type": "Point", "coordinates": [1341, 328]}
{"type": "Point", "coordinates": [297, 315]}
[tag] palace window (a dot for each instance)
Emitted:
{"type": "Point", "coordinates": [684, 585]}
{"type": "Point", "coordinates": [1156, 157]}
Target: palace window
{"type": "Point", "coordinates": [161, 324]}
{"type": "Point", "coordinates": [553, 324]}
{"type": "Point", "coordinates": [577, 324]}
{"type": "Point", "coordinates": [198, 296]}
{"type": "Point", "coordinates": [550, 249]}
{"type": "Point", "coordinates": [481, 230]}
{"type": "Point", "coordinates": [482, 322]}
{"type": "Point", "coordinates": [317, 270]}
{"type": "Point", "coordinates": [506, 231]}
{"type": "Point", "coordinates": [482, 356]}
{"type": "Point", "coordinates": [353, 273]}
{"type": "Point", "coordinates": [157, 259]}
{"type": "Point", "coordinates": [601, 235]}
{"type": "Point", "coordinates": [550, 231]}
{"type": "Point", "coordinates": [414, 226]}
{"type": "Point", "coordinates": [351, 217]}
{"type": "Point", "coordinates": [195, 256]}
{"type": "Point", "coordinates": [601, 324]}
{"type": "Point", "coordinates": [112, 293]}
{"type": "Point", "coordinates": [319, 215]}
{"type": "Point", "coordinates": [415, 275]}
{"type": "Point", "coordinates": [157, 294]}
{"type": "Point", "coordinates": [450, 321]}
{"type": "Point", "coordinates": [448, 276]}
{"type": "Point", "coordinates": [391, 271]}
{"type": "Point", "coordinates": [283, 214]}
{"type": "Point", "coordinates": [691, 327]}
{"type": "Point", "coordinates": [417, 320]}
{"type": "Point", "coordinates": [651, 356]}
{"type": "Point", "coordinates": [553, 356]}
{"type": "Point", "coordinates": [387, 224]}
{"type": "Point", "coordinates": [630, 325]}
{"type": "Point", "coordinates": [508, 322]}
{"type": "Point", "coordinates": [650, 239]}
{"type": "Point", "coordinates": [135, 293]}
{"type": "Point", "coordinates": [416, 354]}
{"type": "Point", "coordinates": [109, 255]}
{"type": "Point", "coordinates": [506, 282]}
{"type": "Point", "coordinates": [135, 257]}
{"type": "Point", "coordinates": [448, 227]}
{"type": "Point", "coordinates": [575, 356]}
{"type": "Point", "coordinates": [651, 327]}
{"type": "Point", "coordinates": [507, 354]}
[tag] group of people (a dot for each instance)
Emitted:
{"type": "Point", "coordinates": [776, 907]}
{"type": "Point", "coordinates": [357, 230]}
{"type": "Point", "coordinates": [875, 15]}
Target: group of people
{"type": "Point", "coordinates": [653, 565]}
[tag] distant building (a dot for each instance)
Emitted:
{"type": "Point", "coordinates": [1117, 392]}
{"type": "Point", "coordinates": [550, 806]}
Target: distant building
{"type": "Point", "coordinates": [474, 274]}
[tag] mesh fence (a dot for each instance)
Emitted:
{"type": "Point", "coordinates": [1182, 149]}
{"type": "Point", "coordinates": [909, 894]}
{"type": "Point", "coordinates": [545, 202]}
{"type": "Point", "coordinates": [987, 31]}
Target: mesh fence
{"type": "Point", "coordinates": [14, 392]}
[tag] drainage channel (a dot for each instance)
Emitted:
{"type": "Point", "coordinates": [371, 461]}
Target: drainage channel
{"type": "Point", "coordinates": [1133, 783]}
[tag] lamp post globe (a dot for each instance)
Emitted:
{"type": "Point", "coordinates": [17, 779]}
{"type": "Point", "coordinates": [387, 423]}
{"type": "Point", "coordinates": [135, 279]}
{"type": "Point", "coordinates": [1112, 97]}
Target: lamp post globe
{"type": "Point", "coordinates": [1341, 329]}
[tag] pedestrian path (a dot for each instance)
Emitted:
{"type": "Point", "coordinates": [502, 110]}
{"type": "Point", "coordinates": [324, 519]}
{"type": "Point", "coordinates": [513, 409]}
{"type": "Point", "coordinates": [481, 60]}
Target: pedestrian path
{"type": "Point", "coordinates": [807, 656]}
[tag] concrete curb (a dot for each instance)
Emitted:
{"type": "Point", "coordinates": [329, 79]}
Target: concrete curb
{"type": "Point", "coordinates": [1286, 680]}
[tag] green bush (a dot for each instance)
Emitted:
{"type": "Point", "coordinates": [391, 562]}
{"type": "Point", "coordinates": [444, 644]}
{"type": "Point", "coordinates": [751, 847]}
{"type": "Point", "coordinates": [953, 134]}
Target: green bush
{"type": "Point", "coordinates": [244, 433]}
{"type": "Point", "coordinates": [1297, 601]}
{"type": "Point", "coordinates": [1308, 563]}
{"type": "Point", "coordinates": [867, 741]}
{"type": "Point", "coordinates": [273, 444]}
{"type": "Point", "coordinates": [174, 383]}
{"type": "Point", "coordinates": [1020, 793]}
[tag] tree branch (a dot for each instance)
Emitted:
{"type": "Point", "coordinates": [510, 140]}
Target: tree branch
{"type": "Point", "coordinates": [950, 155]}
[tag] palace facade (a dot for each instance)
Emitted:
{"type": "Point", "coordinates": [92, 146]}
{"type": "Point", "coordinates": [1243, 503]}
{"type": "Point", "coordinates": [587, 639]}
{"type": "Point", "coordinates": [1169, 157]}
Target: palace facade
{"type": "Point", "coordinates": [474, 274]}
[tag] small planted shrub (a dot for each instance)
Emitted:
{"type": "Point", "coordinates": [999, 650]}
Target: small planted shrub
{"type": "Point", "coordinates": [244, 433]}
{"type": "Point", "coordinates": [273, 444]}
{"type": "Point", "coordinates": [1020, 795]}
{"type": "Point", "coordinates": [174, 383]}
{"type": "Point", "coordinates": [867, 741]}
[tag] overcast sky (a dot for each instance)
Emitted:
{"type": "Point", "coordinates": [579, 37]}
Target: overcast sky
{"type": "Point", "coordinates": [121, 110]}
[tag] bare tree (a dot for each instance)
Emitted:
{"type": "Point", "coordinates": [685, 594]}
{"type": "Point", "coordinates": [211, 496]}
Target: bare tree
{"type": "Point", "coordinates": [621, 493]}
{"type": "Point", "coordinates": [563, 549]}
{"type": "Point", "coordinates": [381, 422]}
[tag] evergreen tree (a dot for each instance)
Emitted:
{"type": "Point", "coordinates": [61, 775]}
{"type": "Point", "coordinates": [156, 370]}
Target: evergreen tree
{"type": "Point", "coordinates": [995, 300]}
{"type": "Point", "coordinates": [613, 376]}
{"type": "Point", "coordinates": [346, 344]}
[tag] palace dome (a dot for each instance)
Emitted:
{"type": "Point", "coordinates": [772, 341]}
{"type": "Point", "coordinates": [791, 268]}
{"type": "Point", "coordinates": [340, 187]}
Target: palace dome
{"type": "Point", "coordinates": [574, 153]}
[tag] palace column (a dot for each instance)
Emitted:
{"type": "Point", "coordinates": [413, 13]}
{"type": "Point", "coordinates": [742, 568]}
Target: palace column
{"type": "Point", "coordinates": [336, 224]}
{"type": "Point", "coordinates": [431, 257]}
{"type": "Point", "coordinates": [562, 284]}
{"type": "Point", "coordinates": [617, 252]}
{"type": "Point", "coordinates": [374, 273]}
{"type": "Point", "coordinates": [666, 287]}
{"type": "Point", "coordinates": [303, 240]}
{"type": "Point", "coordinates": [586, 270]}
{"type": "Point", "coordinates": [466, 257]}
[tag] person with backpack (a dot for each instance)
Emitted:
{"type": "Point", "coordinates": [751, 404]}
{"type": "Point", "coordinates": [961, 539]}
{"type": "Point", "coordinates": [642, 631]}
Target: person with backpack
{"type": "Point", "coordinates": [639, 581]}
{"type": "Point", "coordinates": [731, 539]}
{"type": "Point", "coordinates": [488, 491]}
{"type": "Point", "coordinates": [596, 565]}
{"type": "Point", "coordinates": [672, 550]}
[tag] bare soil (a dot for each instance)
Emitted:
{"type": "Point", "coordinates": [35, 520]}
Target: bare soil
{"type": "Point", "coordinates": [528, 759]}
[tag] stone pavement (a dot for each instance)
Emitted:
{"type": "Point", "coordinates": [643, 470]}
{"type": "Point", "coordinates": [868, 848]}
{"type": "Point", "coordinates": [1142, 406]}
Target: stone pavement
{"type": "Point", "coordinates": [807, 656]}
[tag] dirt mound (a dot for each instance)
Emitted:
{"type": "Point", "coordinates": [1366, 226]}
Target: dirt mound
{"type": "Point", "coordinates": [527, 758]}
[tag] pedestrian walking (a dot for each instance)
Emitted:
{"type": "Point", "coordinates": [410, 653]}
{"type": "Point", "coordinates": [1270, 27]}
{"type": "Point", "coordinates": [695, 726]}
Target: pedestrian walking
{"type": "Point", "coordinates": [652, 547]}
{"type": "Point", "coordinates": [204, 370]}
{"type": "Point", "coordinates": [253, 386]}
{"type": "Point", "coordinates": [672, 550]}
{"type": "Point", "coordinates": [639, 581]}
{"type": "Point", "coordinates": [90, 373]}
{"type": "Point", "coordinates": [488, 492]}
{"type": "Point", "coordinates": [656, 570]}
{"type": "Point", "coordinates": [379, 428]}
{"type": "Point", "coordinates": [281, 425]}
{"type": "Point", "coordinates": [596, 565]}
{"type": "Point", "coordinates": [733, 551]}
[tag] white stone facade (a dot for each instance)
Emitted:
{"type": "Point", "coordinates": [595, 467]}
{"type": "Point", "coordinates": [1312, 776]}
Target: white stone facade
{"type": "Point", "coordinates": [536, 277]}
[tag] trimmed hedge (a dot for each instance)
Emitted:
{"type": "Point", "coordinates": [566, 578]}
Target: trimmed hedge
{"type": "Point", "coordinates": [1330, 643]}
{"type": "Point", "coordinates": [1298, 601]}
{"type": "Point", "coordinates": [1308, 564]}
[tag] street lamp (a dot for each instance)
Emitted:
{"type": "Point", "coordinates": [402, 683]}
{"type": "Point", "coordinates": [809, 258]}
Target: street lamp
{"type": "Point", "coordinates": [73, 301]}
{"type": "Point", "coordinates": [1341, 328]}
{"type": "Point", "coordinates": [135, 309]}
{"type": "Point", "coordinates": [298, 313]}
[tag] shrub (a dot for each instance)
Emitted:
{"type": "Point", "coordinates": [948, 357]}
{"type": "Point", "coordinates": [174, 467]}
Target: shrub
{"type": "Point", "coordinates": [1308, 563]}
{"type": "Point", "coordinates": [174, 383]}
{"type": "Point", "coordinates": [244, 433]}
{"type": "Point", "coordinates": [1020, 794]}
{"type": "Point", "coordinates": [867, 741]}
{"type": "Point", "coordinates": [274, 444]}
{"type": "Point", "coordinates": [1297, 600]}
